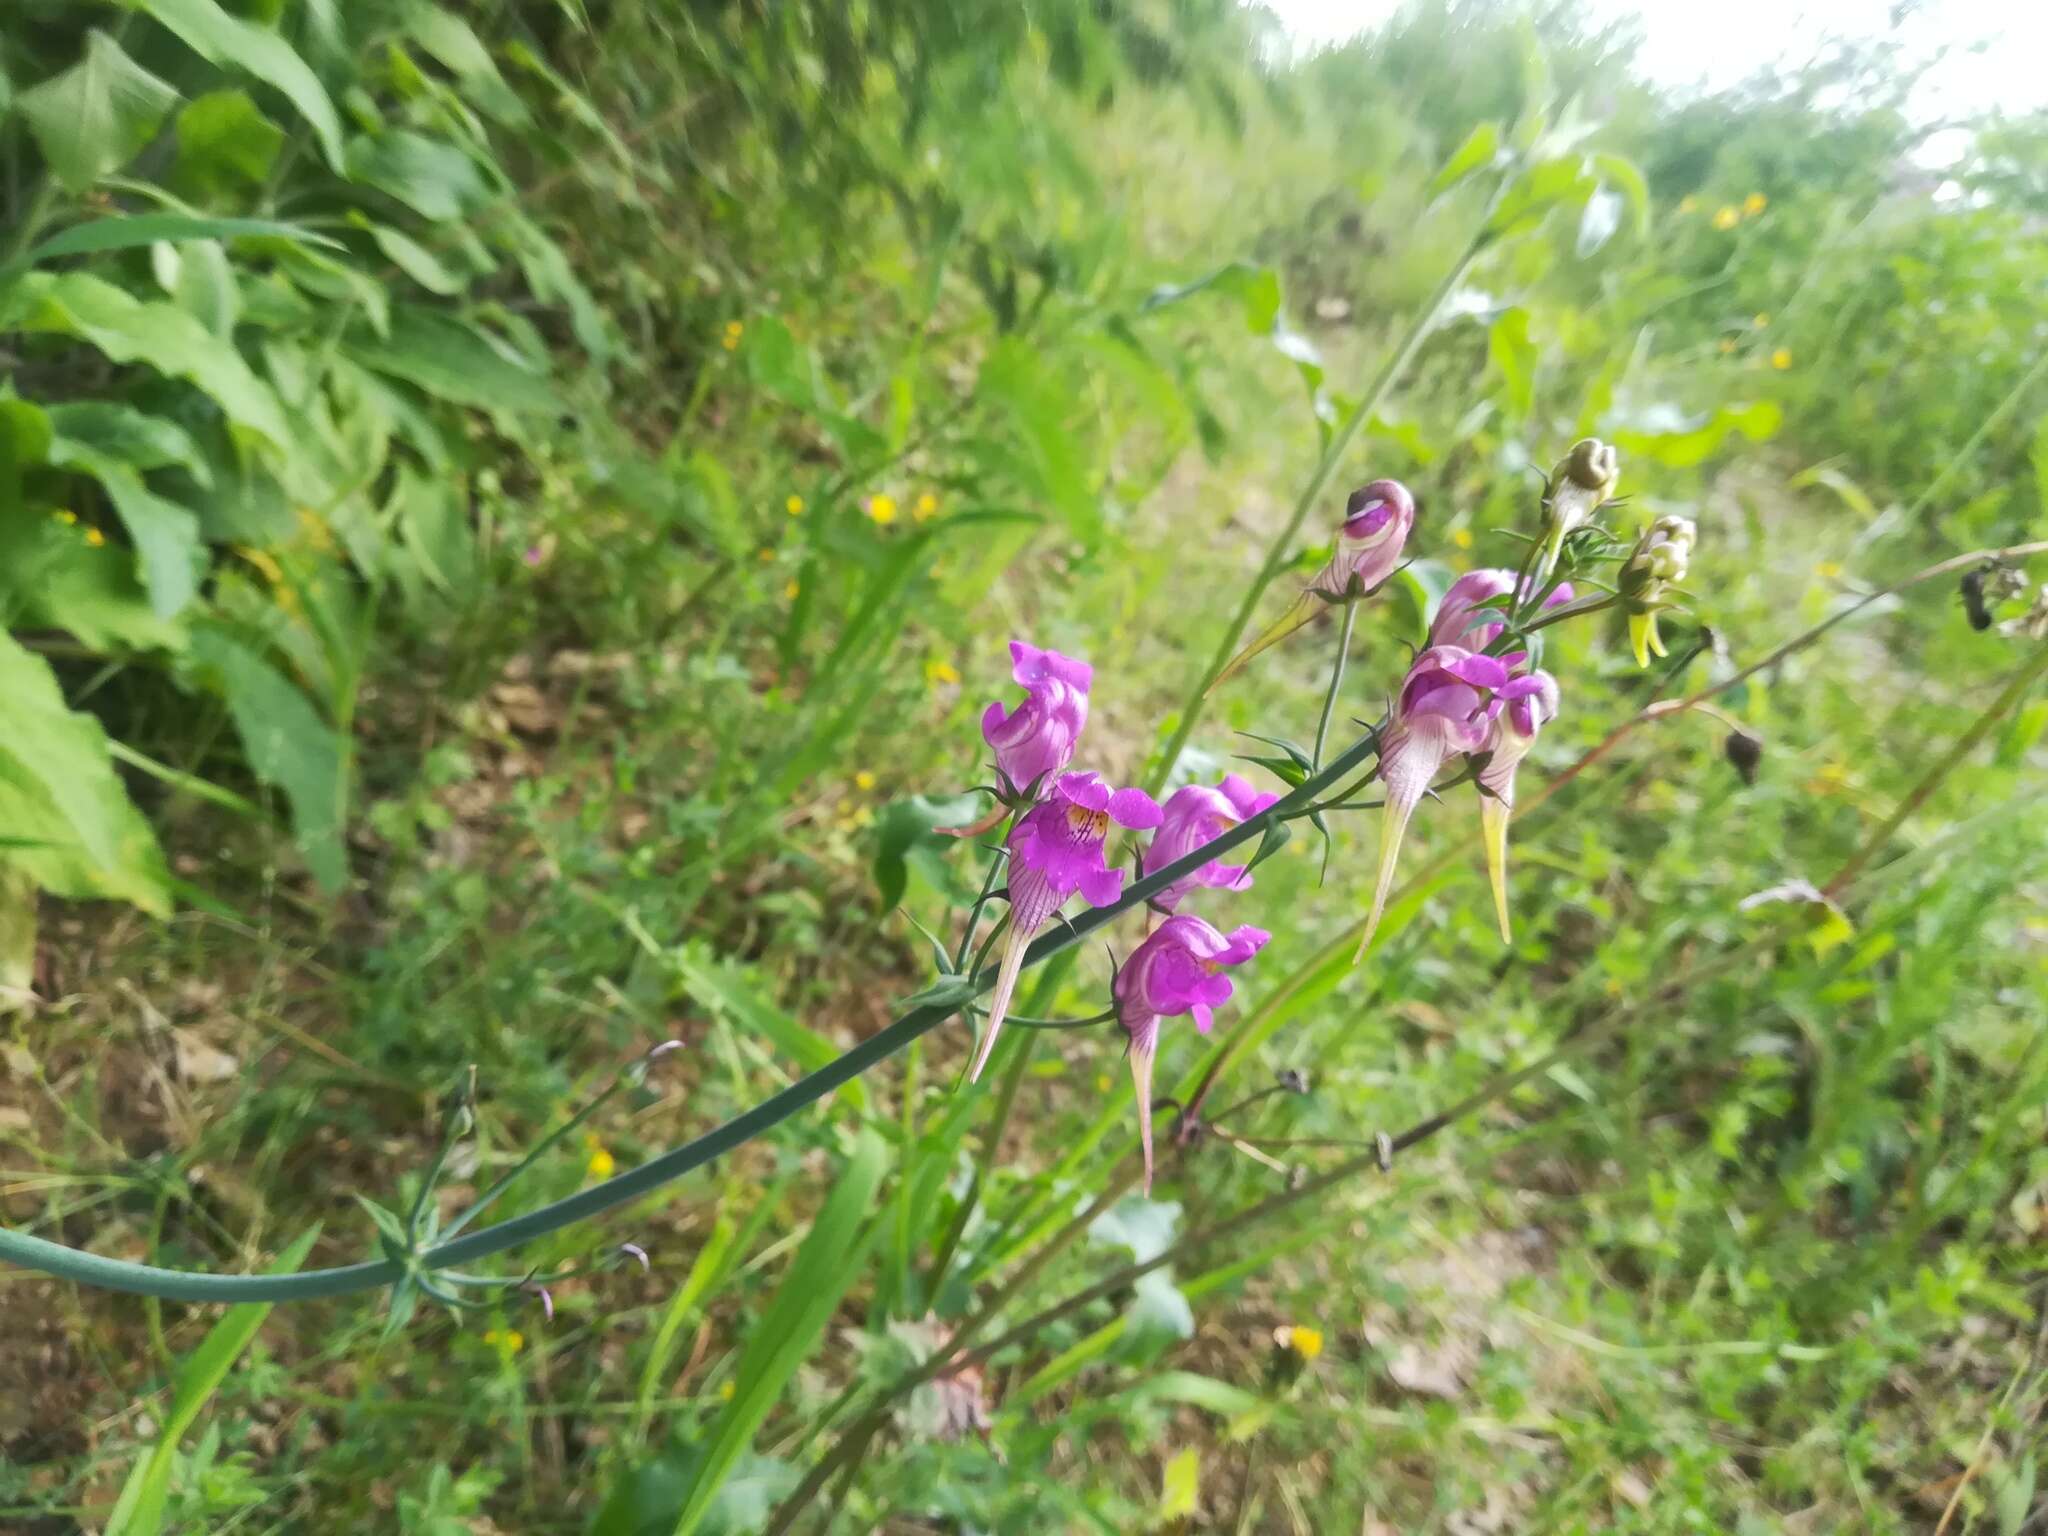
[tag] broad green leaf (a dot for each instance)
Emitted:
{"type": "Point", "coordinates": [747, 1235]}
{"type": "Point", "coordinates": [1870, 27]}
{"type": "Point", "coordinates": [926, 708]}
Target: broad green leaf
{"type": "Point", "coordinates": [142, 1505]}
{"type": "Point", "coordinates": [165, 534]}
{"type": "Point", "coordinates": [222, 39]}
{"type": "Point", "coordinates": [908, 824]}
{"type": "Point", "coordinates": [416, 261]}
{"type": "Point", "coordinates": [1180, 1487]}
{"type": "Point", "coordinates": [58, 787]}
{"type": "Point", "coordinates": [1476, 153]}
{"type": "Point", "coordinates": [155, 332]}
{"type": "Point", "coordinates": [200, 280]}
{"type": "Point", "coordinates": [96, 116]}
{"type": "Point", "coordinates": [148, 228]}
{"type": "Point", "coordinates": [1532, 195]}
{"type": "Point", "coordinates": [51, 577]}
{"type": "Point", "coordinates": [1670, 437]}
{"type": "Point", "coordinates": [434, 178]}
{"type": "Point", "coordinates": [123, 433]}
{"type": "Point", "coordinates": [1146, 1227]}
{"type": "Point", "coordinates": [225, 143]}
{"type": "Point", "coordinates": [826, 1265]}
{"type": "Point", "coordinates": [455, 361]}
{"type": "Point", "coordinates": [288, 746]}
{"type": "Point", "coordinates": [1622, 172]}
{"type": "Point", "coordinates": [428, 514]}
{"type": "Point", "coordinates": [1511, 352]}
{"type": "Point", "coordinates": [1159, 1314]}
{"type": "Point", "coordinates": [455, 45]}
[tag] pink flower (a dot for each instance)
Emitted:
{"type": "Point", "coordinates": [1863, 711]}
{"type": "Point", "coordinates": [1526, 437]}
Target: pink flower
{"type": "Point", "coordinates": [1461, 621]}
{"type": "Point", "coordinates": [1197, 815]}
{"type": "Point", "coordinates": [1377, 521]}
{"type": "Point", "coordinates": [1177, 970]}
{"type": "Point", "coordinates": [1055, 850]}
{"type": "Point", "coordinates": [1037, 738]}
{"type": "Point", "coordinates": [1528, 703]}
{"type": "Point", "coordinates": [1447, 705]}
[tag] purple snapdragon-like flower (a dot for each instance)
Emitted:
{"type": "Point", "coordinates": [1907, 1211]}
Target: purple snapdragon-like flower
{"type": "Point", "coordinates": [1446, 706]}
{"type": "Point", "coordinates": [1197, 815]}
{"type": "Point", "coordinates": [1461, 621]}
{"type": "Point", "coordinates": [1056, 850]}
{"type": "Point", "coordinates": [1178, 969]}
{"type": "Point", "coordinates": [1377, 521]}
{"type": "Point", "coordinates": [1527, 704]}
{"type": "Point", "coordinates": [1037, 738]}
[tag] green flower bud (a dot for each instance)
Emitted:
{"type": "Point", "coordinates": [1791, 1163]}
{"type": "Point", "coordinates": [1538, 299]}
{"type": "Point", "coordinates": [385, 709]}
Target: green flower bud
{"type": "Point", "coordinates": [1582, 481]}
{"type": "Point", "coordinates": [1654, 566]}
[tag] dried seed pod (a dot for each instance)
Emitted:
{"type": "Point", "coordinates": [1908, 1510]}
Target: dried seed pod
{"type": "Point", "coordinates": [1744, 752]}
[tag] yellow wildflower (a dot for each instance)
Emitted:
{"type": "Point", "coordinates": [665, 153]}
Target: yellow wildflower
{"type": "Point", "coordinates": [791, 591]}
{"type": "Point", "coordinates": [1727, 345]}
{"type": "Point", "coordinates": [1462, 537]}
{"type": "Point", "coordinates": [1827, 570]}
{"type": "Point", "coordinates": [94, 537]}
{"type": "Point", "coordinates": [509, 1340]}
{"type": "Point", "coordinates": [795, 505]}
{"type": "Point", "coordinates": [882, 508]}
{"type": "Point", "coordinates": [65, 515]}
{"type": "Point", "coordinates": [725, 1390]}
{"type": "Point", "coordinates": [864, 780]}
{"type": "Point", "coordinates": [1688, 203]}
{"type": "Point", "coordinates": [1761, 318]}
{"type": "Point", "coordinates": [940, 672]}
{"type": "Point", "coordinates": [733, 331]}
{"type": "Point", "coordinates": [601, 1164]}
{"type": "Point", "coordinates": [1782, 359]}
{"type": "Point", "coordinates": [927, 506]}
{"type": "Point", "coordinates": [767, 554]}
{"type": "Point", "coordinates": [1755, 204]}
{"type": "Point", "coordinates": [1727, 216]}
{"type": "Point", "coordinates": [1298, 1340]}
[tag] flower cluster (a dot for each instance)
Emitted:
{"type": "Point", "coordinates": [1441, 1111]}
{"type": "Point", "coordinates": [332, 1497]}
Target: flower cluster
{"type": "Point", "coordinates": [1473, 695]}
{"type": "Point", "coordinates": [1056, 850]}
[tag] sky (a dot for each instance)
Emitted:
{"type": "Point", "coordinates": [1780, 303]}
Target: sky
{"type": "Point", "coordinates": [1716, 43]}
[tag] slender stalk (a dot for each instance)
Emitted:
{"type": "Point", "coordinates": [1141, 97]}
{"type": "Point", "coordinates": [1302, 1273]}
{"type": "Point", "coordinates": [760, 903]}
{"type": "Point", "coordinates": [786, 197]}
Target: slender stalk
{"type": "Point", "coordinates": [189, 1285]}
{"type": "Point", "coordinates": [1326, 466]}
{"type": "Point", "coordinates": [1336, 682]}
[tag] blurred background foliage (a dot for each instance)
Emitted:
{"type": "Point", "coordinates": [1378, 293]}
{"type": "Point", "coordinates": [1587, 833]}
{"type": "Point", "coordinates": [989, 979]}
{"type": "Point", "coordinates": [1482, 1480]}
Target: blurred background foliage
{"type": "Point", "coordinates": [511, 514]}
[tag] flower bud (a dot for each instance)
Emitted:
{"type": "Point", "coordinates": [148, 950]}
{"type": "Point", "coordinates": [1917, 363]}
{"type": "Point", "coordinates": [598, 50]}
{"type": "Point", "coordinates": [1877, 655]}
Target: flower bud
{"type": "Point", "coordinates": [1657, 563]}
{"type": "Point", "coordinates": [1744, 752]}
{"type": "Point", "coordinates": [1580, 483]}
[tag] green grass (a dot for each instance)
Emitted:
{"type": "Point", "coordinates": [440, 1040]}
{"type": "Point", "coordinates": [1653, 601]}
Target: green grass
{"type": "Point", "coordinates": [1767, 1259]}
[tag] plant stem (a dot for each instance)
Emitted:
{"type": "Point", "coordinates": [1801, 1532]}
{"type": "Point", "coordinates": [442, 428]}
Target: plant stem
{"type": "Point", "coordinates": [1336, 682]}
{"type": "Point", "coordinates": [1333, 452]}
{"type": "Point", "coordinates": [190, 1285]}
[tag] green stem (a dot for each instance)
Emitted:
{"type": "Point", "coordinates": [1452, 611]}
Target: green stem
{"type": "Point", "coordinates": [193, 1285]}
{"type": "Point", "coordinates": [1333, 453]}
{"type": "Point", "coordinates": [1336, 682]}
